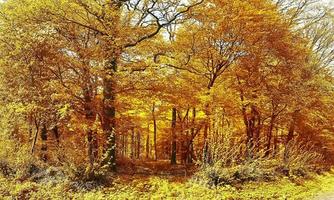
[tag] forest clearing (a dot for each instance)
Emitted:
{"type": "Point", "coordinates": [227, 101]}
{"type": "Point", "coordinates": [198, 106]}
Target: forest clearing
{"type": "Point", "coordinates": [167, 99]}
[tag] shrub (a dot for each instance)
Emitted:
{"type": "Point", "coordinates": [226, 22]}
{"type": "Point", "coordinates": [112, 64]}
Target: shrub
{"type": "Point", "coordinates": [298, 158]}
{"type": "Point", "coordinates": [16, 160]}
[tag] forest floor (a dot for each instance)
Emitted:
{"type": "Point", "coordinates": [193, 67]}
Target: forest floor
{"type": "Point", "coordinates": [329, 196]}
{"type": "Point", "coordinates": [141, 186]}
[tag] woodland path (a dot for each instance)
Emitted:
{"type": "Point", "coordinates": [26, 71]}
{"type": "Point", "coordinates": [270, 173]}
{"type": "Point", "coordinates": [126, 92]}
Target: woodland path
{"type": "Point", "coordinates": [326, 196]}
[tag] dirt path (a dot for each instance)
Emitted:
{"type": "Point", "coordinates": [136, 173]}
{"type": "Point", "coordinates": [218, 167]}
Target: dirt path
{"type": "Point", "coordinates": [327, 196]}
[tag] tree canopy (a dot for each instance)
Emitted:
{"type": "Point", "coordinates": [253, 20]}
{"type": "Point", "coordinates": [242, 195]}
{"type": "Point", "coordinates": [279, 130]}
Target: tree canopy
{"type": "Point", "coordinates": [97, 82]}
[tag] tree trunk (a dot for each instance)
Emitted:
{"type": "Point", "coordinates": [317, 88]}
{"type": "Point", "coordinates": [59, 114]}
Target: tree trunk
{"type": "Point", "coordinates": [126, 143]}
{"type": "Point", "coordinates": [35, 137]}
{"type": "Point", "coordinates": [30, 132]}
{"type": "Point", "coordinates": [249, 124]}
{"type": "Point", "coordinates": [95, 146]}
{"type": "Point", "coordinates": [269, 135]}
{"type": "Point", "coordinates": [276, 147]}
{"type": "Point", "coordinates": [133, 153]}
{"type": "Point", "coordinates": [56, 134]}
{"type": "Point", "coordinates": [109, 114]}
{"type": "Point", "coordinates": [148, 142]}
{"type": "Point", "coordinates": [90, 117]}
{"type": "Point", "coordinates": [123, 145]}
{"type": "Point", "coordinates": [90, 150]}
{"type": "Point", "coordinates": [291, 132]}
{"type": "Point", "coordinates": [44, 148]}
{"type": "Point", "coordinates": [253, 127]}
{"type": "Point", "coordinates": [173, 147]}
{"type": "Point", "coordinates": [290, 136]}
{"type": "Point", "coordinates": [154, 133]}
{"type": "Point", "coordinates": [257, 129]}
{"type": "Point", "coordinates": [192, 132]}
{"type": "Point", "coordinates": [206, 146]}
{"type": "Point", "coordinates": [138, 145]}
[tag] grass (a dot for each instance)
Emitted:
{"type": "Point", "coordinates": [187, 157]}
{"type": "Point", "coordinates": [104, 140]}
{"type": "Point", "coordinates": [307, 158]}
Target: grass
{"type": "Point", "coordinates": [164, 188]}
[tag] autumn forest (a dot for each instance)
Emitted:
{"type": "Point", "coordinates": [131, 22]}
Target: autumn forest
{"type": "Point", "coordinates": [166, 99]}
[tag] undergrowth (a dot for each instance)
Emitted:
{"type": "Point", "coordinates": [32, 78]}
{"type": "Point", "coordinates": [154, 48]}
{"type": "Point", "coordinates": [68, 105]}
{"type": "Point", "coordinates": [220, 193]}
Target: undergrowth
{"type": "Point", "coordinates": [161, 188]}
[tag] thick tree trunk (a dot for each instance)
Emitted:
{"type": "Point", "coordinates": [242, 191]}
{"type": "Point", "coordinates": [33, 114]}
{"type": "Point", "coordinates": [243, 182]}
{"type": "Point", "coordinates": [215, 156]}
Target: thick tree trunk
{"type": "Point", "coordinates": [290, 135]}
{"type": "Point", "coordinates": [292, 126]}
{"type": "Point", "coordinates": [173, 147]}
{"type": "Point", "coordinates": [56, 134]}
{"type": "Point", "coordinates": [90, 117]}
{"type": "Point", "coordinates": [109, 114]}
{"type": "Point", "coordinates": [291, 132]}
{"type": "Point", "coordinates": [269, 135]}
{"type": "Point", "coordinates": [253, 128]}
{"type": "Point", "coordinates": [249, 125]}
